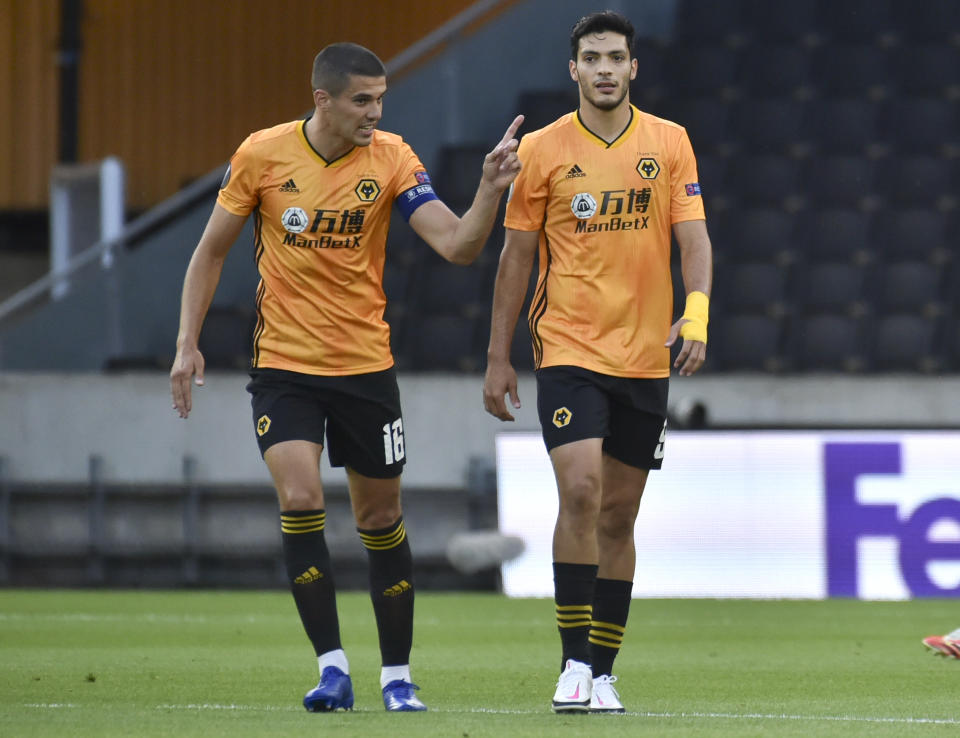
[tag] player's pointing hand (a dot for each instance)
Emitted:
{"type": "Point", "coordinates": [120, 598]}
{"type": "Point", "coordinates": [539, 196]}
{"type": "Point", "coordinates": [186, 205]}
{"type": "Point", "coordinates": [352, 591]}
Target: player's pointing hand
{"type": "Point", "coordinates": [501, 166]}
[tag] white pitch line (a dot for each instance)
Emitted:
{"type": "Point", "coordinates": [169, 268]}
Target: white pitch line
{"type": "Point", "coordinates": [659, 715]}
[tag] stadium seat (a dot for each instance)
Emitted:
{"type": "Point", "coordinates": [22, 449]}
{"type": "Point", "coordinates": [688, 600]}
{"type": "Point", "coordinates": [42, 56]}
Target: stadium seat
{"type": "Point", "coordinates": [918, 181]}
{"type": "Point", "coordinates": [828, 343]}
{"type": "Point", "coordinates": [540, 108]}
{"type": "Point", "coordinates": [758, 235]}
{"type": "Point", "coordinates": [905, 343]}
{"type": "Point", "coordinates": [769, 21]}
{"type": "Point", "coordinates": [703, 22]}
{"type": "Point", "coordinates": [931, 70]}
{"type": "Point", "coordinates": [913, 287]}
{"type": "Point", "coordinates": [443, 343]}
{"type": "Point", "coordinates": [920, 126]}
{"type": "Point", "coordinates": [647, 89]}
{"type": "Point", "coordinates": [449, 289]}
{"type": "Point", "coordinates": [835, 235]}
{"type": "Point", "coordinates": [457, 175]}
{"type": "Point", "coordinates": [913, 234]}
{"type": "Point", "coordinates": [865, 21]}
{"type": "Point", "coordinates": [841, 126]}
{"type": "Point", "coordinates": [774, 70]}
{"type": "Point", "coordinates": [764, 181]}
{"type": "Point", "coordinates": [769, 126]}
{"type": "Point", "coordinates": [706, 121]}
{"type": "Point", "coordinates": [930, 20]}
{"type": "Point", "coordinates": [700, 70]}
{"type": "Point", "coordinates": [226, 340]}
{"type": "Point", "coordinates": [952, 344]}
{"type": "Point", "coordinates": [840, 181]}
{"type": "Point", "coordinates": [745, 343]}
{"type": "Point", "coordinates": [712, 171]}
{"type": "Point", "coordinates": [855, 70]}
{"type": "Point", "coordinates": [832, 288]}
{"type": "Point", "coordinates": [750, 289]}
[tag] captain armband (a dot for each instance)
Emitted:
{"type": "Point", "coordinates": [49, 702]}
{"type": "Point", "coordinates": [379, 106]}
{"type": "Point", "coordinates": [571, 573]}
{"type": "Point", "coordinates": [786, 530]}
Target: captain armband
{"type": "Point", "coordinates": [696, 314]}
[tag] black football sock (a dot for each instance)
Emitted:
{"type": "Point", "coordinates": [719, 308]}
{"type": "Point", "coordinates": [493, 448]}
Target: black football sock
{"type": "Point", "coordinates": [573, 586]}
{"type": "Point", "coordinates": [311, 581]}
{"type": "Point", "coordinates": [391, 590]}
{"type": "Point", "coordinates": [611, 605]}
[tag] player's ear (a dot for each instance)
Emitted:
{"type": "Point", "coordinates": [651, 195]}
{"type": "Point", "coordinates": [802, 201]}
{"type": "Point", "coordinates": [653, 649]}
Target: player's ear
{"type": "Point", "coordinates": [573, 71]}
{"type": "Point", "coordinates": [321, 99]}
{"type": "Point", "coordinates": [633, 68]}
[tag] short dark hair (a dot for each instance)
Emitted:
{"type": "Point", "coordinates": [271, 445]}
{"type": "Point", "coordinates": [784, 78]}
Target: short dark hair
{"type": "Point", "coordinates": [333, 66]}
{"type": "Point", "coordinates": [603, 20]}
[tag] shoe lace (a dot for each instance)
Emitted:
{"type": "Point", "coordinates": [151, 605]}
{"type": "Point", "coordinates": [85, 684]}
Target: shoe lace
{"type": "Point", "coordinates": [606, 680]}
{"type": "Point", "coordinates": [401, 688]}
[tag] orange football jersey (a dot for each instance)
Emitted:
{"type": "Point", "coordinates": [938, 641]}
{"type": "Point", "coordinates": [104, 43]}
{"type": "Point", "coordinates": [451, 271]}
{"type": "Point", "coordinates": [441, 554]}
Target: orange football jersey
{"type": "Point", "coordinates": [320, 242]}
{"type": "Point", "coordinates": [604, 296]}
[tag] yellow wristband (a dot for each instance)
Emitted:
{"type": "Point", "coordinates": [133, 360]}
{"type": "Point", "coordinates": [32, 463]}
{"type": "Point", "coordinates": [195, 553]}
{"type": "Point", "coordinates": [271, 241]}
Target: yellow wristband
{"type": "Point", "coordinates": [696, 313]}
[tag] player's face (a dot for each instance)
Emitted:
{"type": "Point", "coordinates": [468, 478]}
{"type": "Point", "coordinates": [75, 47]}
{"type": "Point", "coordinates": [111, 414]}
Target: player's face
{"type": "Point", "coordinates": [355, 112]}
{"type": "Point", "coordinates": [603, 69]}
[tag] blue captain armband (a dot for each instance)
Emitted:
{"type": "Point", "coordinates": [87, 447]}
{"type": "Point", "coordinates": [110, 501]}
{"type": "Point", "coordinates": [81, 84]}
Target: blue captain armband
{"type": "Point", "coordinates": [410, 200]}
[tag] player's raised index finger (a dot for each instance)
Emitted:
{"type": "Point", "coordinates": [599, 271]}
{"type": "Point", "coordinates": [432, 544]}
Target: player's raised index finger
{"type": "Point", "coordinates": [512, 130]}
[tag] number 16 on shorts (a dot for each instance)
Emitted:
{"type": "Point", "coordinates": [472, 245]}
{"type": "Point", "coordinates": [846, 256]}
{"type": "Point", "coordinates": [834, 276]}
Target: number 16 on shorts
{"type": "Point", "coordinates": [393, 441]}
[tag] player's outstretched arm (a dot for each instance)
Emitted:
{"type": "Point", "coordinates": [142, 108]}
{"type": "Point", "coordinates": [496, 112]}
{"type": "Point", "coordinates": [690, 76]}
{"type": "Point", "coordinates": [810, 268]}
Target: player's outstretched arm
{"type": "Point", "coordinates": [513, 276]}
{"type": "Point", "coordinates": [460, 239]}
{"type": "Point", "coordinates": [696, 263]}
{"type": "Point", "coordinates": [203, 275]}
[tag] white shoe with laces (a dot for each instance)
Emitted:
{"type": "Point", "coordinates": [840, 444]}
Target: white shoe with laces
{"type": "Point", "coordinates": [574, 688]}
{"type": "Point", "coordinates": [604, 697]}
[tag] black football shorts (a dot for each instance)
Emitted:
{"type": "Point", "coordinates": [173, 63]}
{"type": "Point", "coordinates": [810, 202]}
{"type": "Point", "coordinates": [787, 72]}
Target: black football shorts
{"type": "Point", "coordinates": [359, 414]}
{"type": "Point", "coordinates": [630, 415]}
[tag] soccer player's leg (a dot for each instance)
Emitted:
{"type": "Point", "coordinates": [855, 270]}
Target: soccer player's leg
{"type": "Point", "coordinates": [635, 445]}
{"type": "Point", "coordinates": [293, 465]}
{"type": "Point", "coordinates": [289, 424]}
{"type": "Point", "coordinates": [365, 434]}
{"type": "Point", "coordinates": [573, 417]}
{"type": "Point", "coordinates": [577, 469]}
{"type": "Point", "coordinates": [377, 501]}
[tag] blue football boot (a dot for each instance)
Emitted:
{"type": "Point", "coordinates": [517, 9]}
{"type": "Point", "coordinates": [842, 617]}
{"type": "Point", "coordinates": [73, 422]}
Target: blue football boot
{"type": "Point", "coordinates": [334, 692]}
{"type": "Point", "coordinates": [398, 696]}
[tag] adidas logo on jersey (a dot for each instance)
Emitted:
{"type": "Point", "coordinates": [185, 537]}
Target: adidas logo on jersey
{"type": "Point", "coordinates": [289, 186]}
{"type": "Point", "coordinates": [575, 171]}
{"type": "Point", "coordinates": [310, 575]}
{"type": "Point", "coordinates": [397, 589]}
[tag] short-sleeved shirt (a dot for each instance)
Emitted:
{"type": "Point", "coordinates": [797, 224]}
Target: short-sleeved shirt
{"type": "Point", "coordinates": [604, 212]}
{"type": "Point", "coordinates": [320, 243]}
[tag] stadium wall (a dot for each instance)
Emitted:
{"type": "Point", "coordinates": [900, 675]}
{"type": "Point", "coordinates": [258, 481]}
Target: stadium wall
{"type": "Point", "coordinates": [53, 423]}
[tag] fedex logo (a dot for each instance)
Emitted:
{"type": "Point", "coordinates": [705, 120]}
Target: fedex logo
{"type": "Point", "coordinates": [924, 527]}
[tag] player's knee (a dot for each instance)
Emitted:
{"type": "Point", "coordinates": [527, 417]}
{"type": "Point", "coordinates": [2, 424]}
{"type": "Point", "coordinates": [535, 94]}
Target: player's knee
{"type": "Point", "coordinates": [580, 498]}
{"type": "Point", "coordinates": [617, 526]}
{"type": "Point", "coordinates": [377, 517]}
{"type": "Point", "coordinates": [300, 498]}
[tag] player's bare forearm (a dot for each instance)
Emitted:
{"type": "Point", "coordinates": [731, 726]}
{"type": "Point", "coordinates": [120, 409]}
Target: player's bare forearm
{"type": "Point", "coordinates": [510, 288]}
{"type": "Point", "coordinates": [460, 240]}
{"type": "Point", "coordinates": [696, 255]}
{"type": "Point", "coordinates": [696, 263]}
{"type": "Point", "coordinates": [199, 286]}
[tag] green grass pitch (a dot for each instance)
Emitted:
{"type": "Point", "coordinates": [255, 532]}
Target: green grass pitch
{"type": "Point", "coordinates": [190, 663]}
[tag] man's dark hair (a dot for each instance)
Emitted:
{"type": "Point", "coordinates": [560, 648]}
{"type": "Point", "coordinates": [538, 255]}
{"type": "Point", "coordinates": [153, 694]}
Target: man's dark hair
{"type": "Point", "coordinates": [603, 20]}
{"type": "Point", "coordinates": [333, 66]}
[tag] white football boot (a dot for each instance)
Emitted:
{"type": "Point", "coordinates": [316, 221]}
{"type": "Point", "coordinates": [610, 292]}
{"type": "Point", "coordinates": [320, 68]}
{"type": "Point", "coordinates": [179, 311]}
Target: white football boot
{"type": "Point", "coordinates": [574, 688]}
{"type": "Point", "coordinates": [604, 698]}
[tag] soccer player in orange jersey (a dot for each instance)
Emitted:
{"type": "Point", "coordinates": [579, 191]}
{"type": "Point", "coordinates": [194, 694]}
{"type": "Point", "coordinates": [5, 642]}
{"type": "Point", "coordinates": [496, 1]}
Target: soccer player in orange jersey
{"type": "Point", "coordinates": [601, 191]}
{"type": "Point", "coordinates": [321, 191]}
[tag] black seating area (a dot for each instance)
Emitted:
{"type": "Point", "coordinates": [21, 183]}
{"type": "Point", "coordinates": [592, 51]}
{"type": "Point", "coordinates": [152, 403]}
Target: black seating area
{"type": "Point", "coordinates": [827, 134]}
